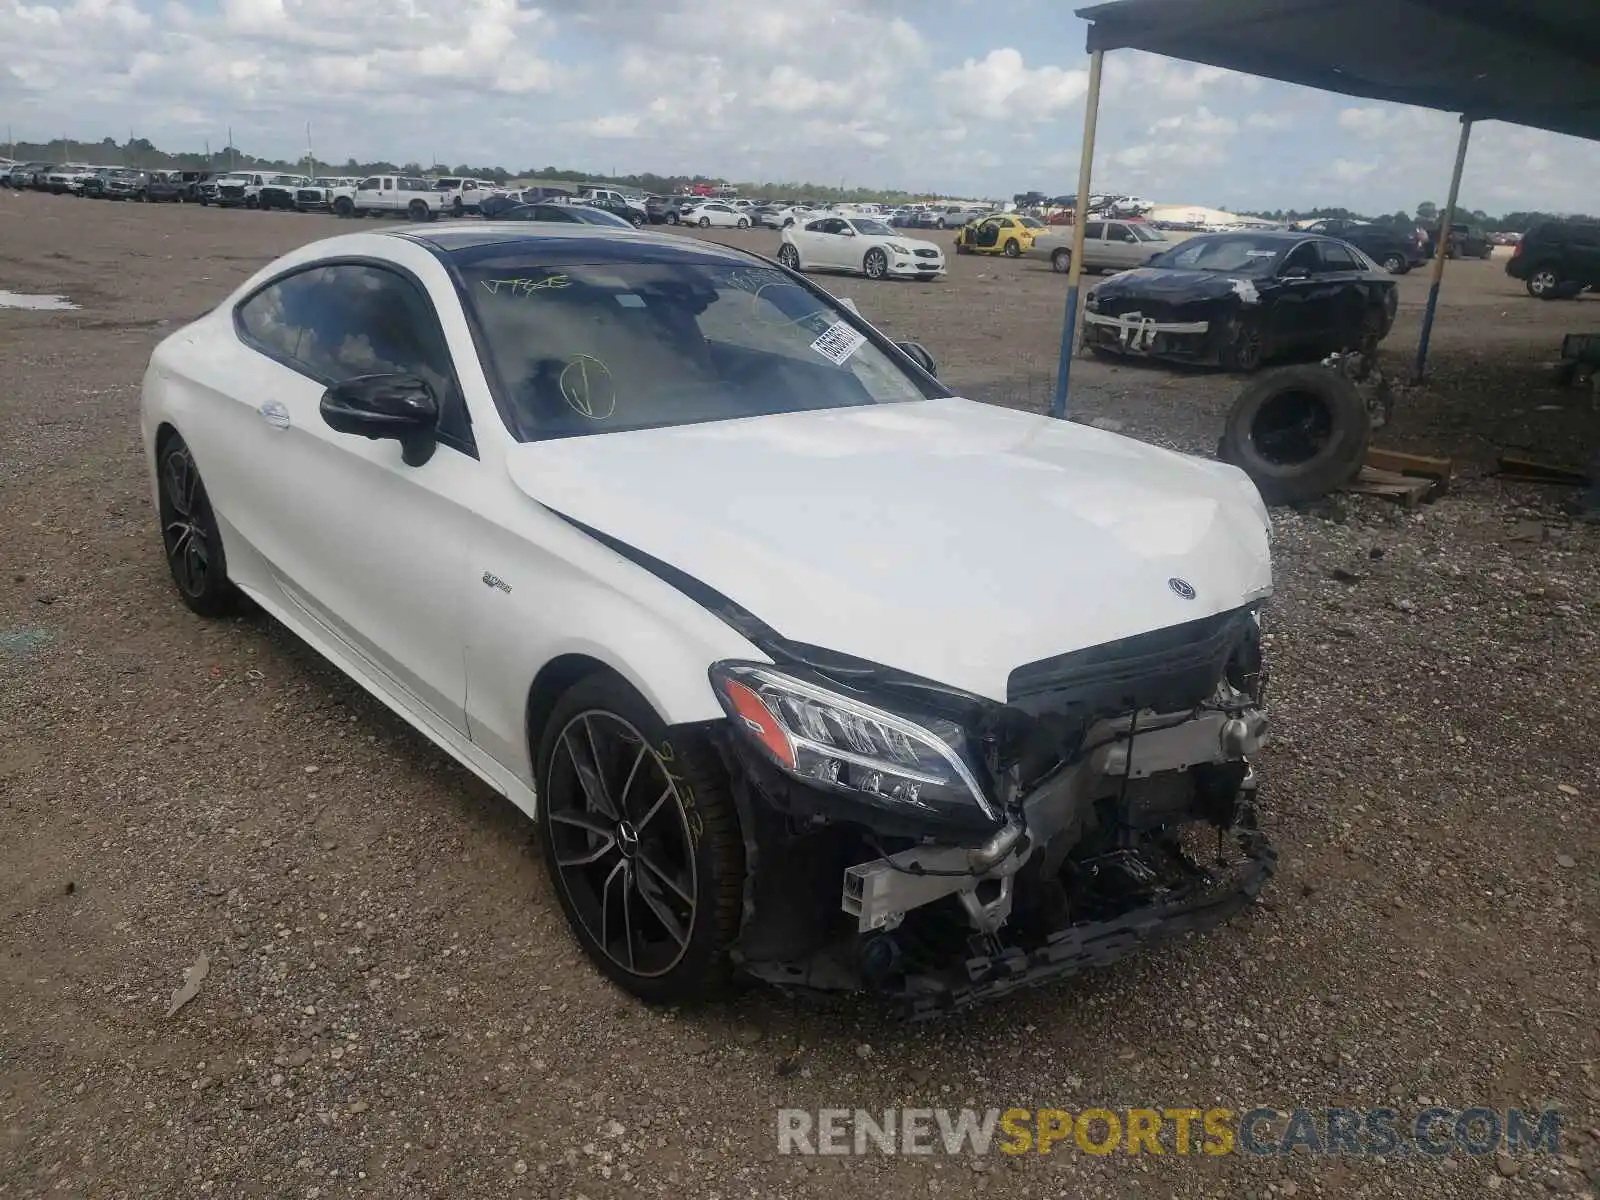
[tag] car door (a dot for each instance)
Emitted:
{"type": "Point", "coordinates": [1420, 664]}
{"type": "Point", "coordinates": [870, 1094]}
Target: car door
{"type": "Point", "coordinates": [1298, 308]}
{"type": "Point", "coordinates": [367, 550]}
{"type": "Point", "coordinates": [1121, 246]}
{"type": "Point", "coordinates": [1340, 299]}
{"type": "Point", "coordinates": [825, 243]}
{"type": "Point", "coordinates": [1094, 233]}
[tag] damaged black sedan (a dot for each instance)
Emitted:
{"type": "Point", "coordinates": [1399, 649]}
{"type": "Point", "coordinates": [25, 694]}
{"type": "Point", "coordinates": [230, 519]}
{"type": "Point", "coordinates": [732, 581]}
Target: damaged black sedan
{"type": "Point", "coordinates": [1237, 300]}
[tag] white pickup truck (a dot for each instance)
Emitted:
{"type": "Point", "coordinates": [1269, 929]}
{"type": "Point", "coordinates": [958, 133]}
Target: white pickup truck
{"type": "Point", "coordinates": [463, 195]}
{"type": "Point", "coordinates": [389, 195]}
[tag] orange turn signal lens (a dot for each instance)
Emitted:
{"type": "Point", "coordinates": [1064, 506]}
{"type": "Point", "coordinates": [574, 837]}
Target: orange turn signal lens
{"type": "Point", "coordinates": [761, 722]}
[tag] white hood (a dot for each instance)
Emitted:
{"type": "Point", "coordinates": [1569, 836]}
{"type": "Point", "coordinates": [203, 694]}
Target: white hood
{"type": "Point", "coordinates": [946, 538]}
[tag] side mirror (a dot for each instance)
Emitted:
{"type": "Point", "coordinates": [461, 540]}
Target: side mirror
{"type": "Point", "coordinates": [918, 353]}
{"type": "Point", "coordinates": [399, 406]}
{"type": "Point", "coordinates": [1296, 273]}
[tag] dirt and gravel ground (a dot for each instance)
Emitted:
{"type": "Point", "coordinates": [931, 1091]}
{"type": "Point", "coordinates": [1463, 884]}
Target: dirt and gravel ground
{"type": "Point", "coordinates": [394, 1007]}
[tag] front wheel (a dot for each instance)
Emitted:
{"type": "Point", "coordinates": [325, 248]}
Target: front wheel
{"type": "Point", "coordinates": [641, 836]}
{"type": "Point", "coordinates": [1395, 264]}
{"type": "Point", "coordinates": [251, 202]}
{"type": "Point", "coordinates": [1245, 348]}
{"type": "Point", "coordinates": [789, 256]}
{"type": "Point", "coordinates": [876, 264]}
{"type": "Point", "coordinates": [189, 533]}
{"type": "Point", "coordinates": [636, 221]}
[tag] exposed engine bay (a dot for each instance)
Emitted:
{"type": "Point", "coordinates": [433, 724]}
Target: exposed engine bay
{"type": "Point", "coordinates": [1112, 802]}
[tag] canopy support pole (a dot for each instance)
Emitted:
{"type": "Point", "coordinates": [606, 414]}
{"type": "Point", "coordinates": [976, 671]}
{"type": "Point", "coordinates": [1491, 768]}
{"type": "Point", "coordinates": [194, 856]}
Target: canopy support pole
{"type": "Point", "coordinates": [1441, 250]}
{"type": "Point", "coordinates": [1080, 215]}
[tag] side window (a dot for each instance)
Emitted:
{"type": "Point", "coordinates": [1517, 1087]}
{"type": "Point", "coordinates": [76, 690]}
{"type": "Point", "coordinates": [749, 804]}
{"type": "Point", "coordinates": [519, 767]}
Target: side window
{"type": "Point", "coordinates": [368, 185]}
{"type": "Point", "coordinates": [1094, 231]}
{"type": "Point", "coordinates": [1118, 232]}
{"type": "Point", "coordinates": [1304, 257]}
{"type": "Point", "coordinates": [346, 320]}
{"type": "Point", "coordinates": [1336, 258]}
{"type": "Point", "coordinates": [388, 184]}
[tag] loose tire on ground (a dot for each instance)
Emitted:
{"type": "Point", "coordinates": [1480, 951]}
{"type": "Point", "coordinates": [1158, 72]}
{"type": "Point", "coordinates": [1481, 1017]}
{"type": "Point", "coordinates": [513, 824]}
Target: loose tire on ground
{"type": "Point", "coordinates": [691, 837]}
{"type": "Point", "coordinates": [1299, 432]}
{"type": "Point", "coordinates": [1061, 261]}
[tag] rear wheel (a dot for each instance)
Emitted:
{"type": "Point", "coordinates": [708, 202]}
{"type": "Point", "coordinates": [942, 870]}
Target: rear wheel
{"type": "Point", "coordinates": [417, 210]}
{"type": "Point", "coordinates": [875, 264]}
{"type": "Point", "coordinates": [1543, 283]}
{"type": "Point", "coordinates": [1395, 264]}
{"type": "Point", "coordinates": [636, 220]}
{"type": "Point", "coordinates": [189, 532]}
{"type": "Point", "coordinates": [642, 839]}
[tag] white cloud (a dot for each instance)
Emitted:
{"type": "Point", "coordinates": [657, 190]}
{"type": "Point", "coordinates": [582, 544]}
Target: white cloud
{"type": "Point", "coordinates": [1001, 84]}
{"type": "Point", "coordinates": [1270, 120]}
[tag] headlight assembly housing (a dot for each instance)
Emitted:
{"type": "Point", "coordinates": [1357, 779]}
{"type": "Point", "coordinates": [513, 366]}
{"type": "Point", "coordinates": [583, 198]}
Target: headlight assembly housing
{"type": "Point", "coordinates": [914, 766]}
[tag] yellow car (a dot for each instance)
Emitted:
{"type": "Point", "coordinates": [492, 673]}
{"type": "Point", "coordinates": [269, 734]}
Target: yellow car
{"type": "Point", "coordinates": [1006, 234]}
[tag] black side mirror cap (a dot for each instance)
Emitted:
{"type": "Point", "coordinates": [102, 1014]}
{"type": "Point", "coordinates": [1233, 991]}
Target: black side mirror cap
{"type": "Point", "coordinates": [400, 406]}
{"type": "Point", "coordinates": [918, 353]}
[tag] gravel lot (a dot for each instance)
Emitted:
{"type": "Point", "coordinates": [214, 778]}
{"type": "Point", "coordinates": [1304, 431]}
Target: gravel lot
{"type": "Point", "coordinates": [394, 1006]}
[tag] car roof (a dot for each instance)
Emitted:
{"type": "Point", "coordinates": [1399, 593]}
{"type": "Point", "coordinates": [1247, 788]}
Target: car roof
{"type": "Point", "coordinates": [569, 242]}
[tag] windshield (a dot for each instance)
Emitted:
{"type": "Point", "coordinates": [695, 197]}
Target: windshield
{"type": "Point", "coordinates": [872, 228]}
{"type": "Point", "coordinates": [1233, 254]}
{"type": "Point", "coordinates": [603, 347]}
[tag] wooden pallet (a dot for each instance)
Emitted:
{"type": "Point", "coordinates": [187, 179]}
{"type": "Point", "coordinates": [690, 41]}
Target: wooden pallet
{"type": "Point", "coordinates": [1406, 490]}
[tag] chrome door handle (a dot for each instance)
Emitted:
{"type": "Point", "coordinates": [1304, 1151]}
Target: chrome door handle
{"type": "Point", "coordinates": [274, 414]}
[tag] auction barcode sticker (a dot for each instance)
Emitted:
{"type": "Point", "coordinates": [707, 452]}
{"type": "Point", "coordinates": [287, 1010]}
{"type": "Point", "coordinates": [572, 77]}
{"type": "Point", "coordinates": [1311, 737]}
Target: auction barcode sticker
{"type": "Point", "coordinates": [838, 342]}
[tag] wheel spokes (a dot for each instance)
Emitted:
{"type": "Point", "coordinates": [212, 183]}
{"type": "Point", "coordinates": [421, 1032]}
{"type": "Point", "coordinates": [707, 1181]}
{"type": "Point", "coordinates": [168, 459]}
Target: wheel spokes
{"type": "Point", "coordinates": [590, 777]}
{"type": "Point", "coordinates": [665, 878]}
{"type": "Point", "coordinates": [662, 911]}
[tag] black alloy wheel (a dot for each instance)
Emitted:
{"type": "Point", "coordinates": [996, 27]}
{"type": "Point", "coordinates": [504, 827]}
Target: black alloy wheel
{"type": "Point", "coordinates": [189, 532]}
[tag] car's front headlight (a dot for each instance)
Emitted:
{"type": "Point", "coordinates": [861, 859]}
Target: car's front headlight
{"type": "Point", "coordinates": [908, 764]}
{"type": "Point", "coordinates": [1092, 302]}
{"type": "Point", "coordinates": [898, 248]}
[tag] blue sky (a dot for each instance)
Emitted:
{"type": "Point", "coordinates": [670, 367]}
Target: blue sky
{"type": "Point", "coordinates": [935, 95]}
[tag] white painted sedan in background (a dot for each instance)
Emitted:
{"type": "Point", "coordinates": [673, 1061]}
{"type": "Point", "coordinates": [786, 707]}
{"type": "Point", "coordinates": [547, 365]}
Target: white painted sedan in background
{"type": "Point", "coordinates": [863, 245]}
{"type": "Point", "coordinates": [727, 592]}
{"type": "Point", "coordinates": [715, 214]}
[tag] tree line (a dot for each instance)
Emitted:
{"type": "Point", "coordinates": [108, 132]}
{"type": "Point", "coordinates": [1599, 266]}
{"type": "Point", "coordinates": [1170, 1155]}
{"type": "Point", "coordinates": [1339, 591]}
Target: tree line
{"type": "Point", "coordinates": [1426, 214]}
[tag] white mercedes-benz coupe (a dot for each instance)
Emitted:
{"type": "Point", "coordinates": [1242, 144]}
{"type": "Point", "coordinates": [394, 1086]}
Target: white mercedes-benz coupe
{"type": "Point", "coordinates": [861, 245]}
{"type": "Point", "coordinates": [802, 666]}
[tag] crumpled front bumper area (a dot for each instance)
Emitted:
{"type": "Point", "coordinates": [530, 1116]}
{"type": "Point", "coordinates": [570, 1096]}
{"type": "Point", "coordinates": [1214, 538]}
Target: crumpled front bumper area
{"type": "Point", "coordinates": [1207, 899]}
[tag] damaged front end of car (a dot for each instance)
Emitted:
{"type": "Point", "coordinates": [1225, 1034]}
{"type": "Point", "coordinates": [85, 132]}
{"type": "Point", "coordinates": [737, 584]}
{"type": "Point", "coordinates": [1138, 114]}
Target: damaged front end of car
{"type": "Point", "coordinates": [937, 848]}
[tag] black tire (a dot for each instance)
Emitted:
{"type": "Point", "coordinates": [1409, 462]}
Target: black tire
{"type": "Point", "coordinates": [634, 815]}
{"type": "Point", "coordinates": [636, 221]}
{"type": "Point", "coordinates": [705, 222]}
{"type": "Point", "coordinates": [1300, 432]}
{"type": "Point", "coordinates": [876, 264]}
{"type": "Point", "coordinates": [789, 256]}
{"type": "Point", "coordinates": [940, 224]}
{"type": "Point", "coordinates": [1543, 282]}
{"type": "Point", "coordinates": [1245, 348]}
{"type": "Point", "coordinates": [417, 211]}
{"type": "Point", "coordinates": [343, 206]}
{"type": "Point", "coordinates": [1061, 260]}
{"type": "Point", "coordinates": [189, 534]}
{"type": "Point", "coordinates": [1013, 248]}
{"type": "Point", "coordinates": [744, 223]}
{"type": "Point", "coordinates": [1394, 263]}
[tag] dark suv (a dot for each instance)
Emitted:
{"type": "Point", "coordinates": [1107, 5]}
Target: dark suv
{"type": "Point", "coordinates": [1558, 259]}
{"type": "Point", "coordinates": [1395, 251]}
{"type": "Point", "coordinates": [1466, 241]}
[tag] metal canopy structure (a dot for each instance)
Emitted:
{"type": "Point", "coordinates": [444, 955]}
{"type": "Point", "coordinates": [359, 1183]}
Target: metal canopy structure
{"type": "Point", "coordinates": [1528, 62]}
